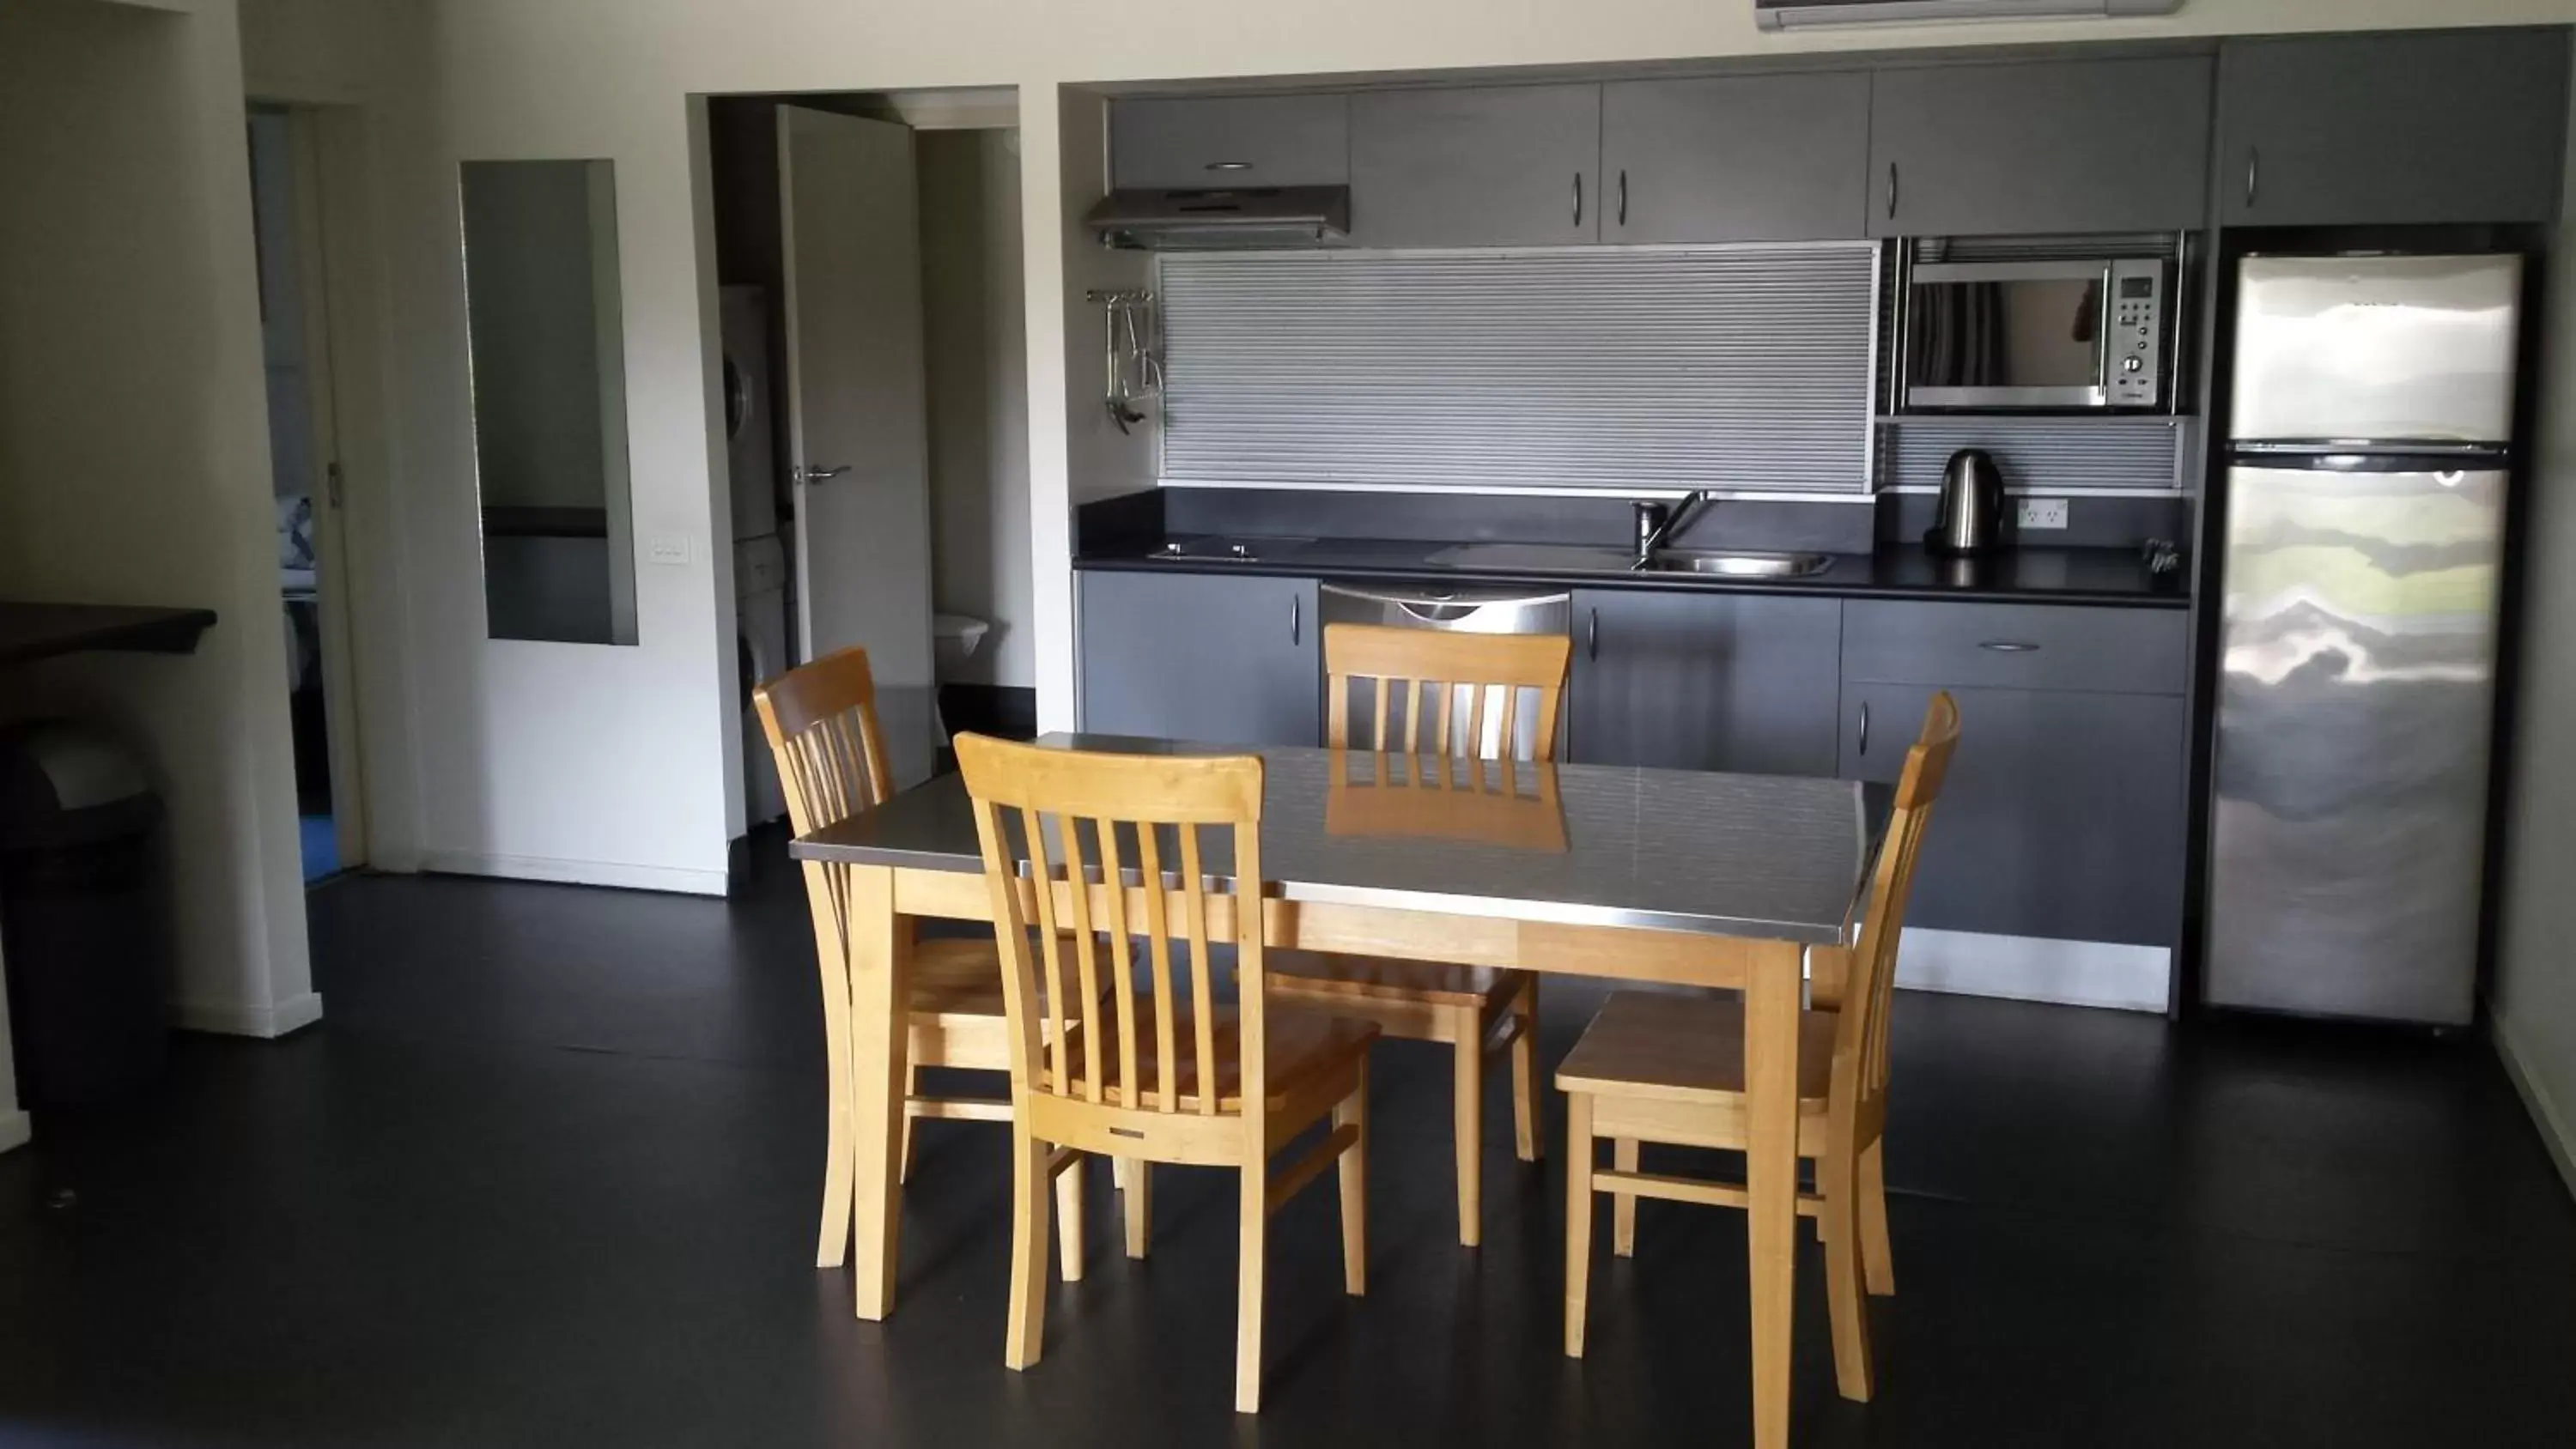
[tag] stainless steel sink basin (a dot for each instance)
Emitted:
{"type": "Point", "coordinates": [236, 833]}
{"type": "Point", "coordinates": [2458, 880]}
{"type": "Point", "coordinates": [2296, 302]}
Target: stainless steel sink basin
{"type": "Point", "coordinates": [1734, 565]}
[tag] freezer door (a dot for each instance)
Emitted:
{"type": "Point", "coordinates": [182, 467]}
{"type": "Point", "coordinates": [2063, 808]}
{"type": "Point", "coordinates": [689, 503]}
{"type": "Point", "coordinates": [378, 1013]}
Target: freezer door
{"type": "Point", "coordinates": [2376, 348]}
{"type": "Point", "coordinates": [2355, 704]}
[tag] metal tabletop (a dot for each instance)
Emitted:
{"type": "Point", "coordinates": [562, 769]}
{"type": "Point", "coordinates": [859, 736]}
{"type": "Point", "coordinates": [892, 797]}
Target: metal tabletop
{"type": "Point", "coordinates": [1767, 857]}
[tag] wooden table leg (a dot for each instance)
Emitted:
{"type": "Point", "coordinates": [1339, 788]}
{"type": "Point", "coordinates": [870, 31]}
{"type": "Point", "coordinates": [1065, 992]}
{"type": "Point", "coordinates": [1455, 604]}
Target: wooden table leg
{"type": "Point", "coordinates": [1771, 1178]}
{"type": "Point", "coordinates": [880, 950]}
{"type": "Point", "coordinates": [821, 882]}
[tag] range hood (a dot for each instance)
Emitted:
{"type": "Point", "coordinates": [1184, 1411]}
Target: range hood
{"type": "Point", "coordinates": [1229, 219]}
{"type": "Point", "coordinates": [1785, 14]}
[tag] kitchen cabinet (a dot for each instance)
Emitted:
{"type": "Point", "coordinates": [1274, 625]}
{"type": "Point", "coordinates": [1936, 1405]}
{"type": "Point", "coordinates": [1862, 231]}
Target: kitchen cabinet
{"type": "Point", "coordinates": [2040, 147]}
{"type": "Point", "coordinates": [1228, 659]}
{"type": "Point", "coordinates": [2460, 126]}
{"type": "Point", "coordinates": [1476, 166]}
{"type": "Point", "coordinates": [2062, 817]}
{"type": "Point", "coordinates": [1735, 158]}
{"type": "Point", "coordinates": [1194, 141]}
{"type": "Point", "coordinates": [1699, 681]}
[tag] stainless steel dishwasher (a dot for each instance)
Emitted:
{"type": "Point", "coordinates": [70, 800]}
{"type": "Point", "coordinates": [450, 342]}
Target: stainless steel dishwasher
{"type": "Point", "coordinates": [1465, 611]}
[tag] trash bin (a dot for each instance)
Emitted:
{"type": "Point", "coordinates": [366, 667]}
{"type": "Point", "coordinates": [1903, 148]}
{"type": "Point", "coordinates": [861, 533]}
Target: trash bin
{"type": "Point", "coordinates": [84, 924]}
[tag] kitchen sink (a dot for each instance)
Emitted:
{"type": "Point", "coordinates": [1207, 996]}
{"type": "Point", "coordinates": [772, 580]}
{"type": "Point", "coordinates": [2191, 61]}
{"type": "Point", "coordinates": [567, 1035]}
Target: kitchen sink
{"type": "Point", "coordinates": [1734, 565]}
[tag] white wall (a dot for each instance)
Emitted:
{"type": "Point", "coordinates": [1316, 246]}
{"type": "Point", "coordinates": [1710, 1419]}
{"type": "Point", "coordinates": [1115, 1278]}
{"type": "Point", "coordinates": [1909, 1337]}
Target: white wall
{"type": "Point", "coordinates": [134, 463]}
{"type": "Point", "coordinates": [629, 784]}
{"type": "Point", "coordinates": [974, 333]}
{"type": "Point", "coordinates": [2534, 997]}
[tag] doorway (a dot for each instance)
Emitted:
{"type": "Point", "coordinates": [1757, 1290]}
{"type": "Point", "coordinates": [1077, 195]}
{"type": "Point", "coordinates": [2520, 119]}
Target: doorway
{"type": "Point", "coordinates": [868, 254]}
{"type": "Point", "coordinates": [295, 326]}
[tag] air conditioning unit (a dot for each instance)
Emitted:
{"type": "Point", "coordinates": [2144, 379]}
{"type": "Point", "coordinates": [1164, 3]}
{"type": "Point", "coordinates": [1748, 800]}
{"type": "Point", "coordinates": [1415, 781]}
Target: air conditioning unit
{"type": "Point", "coordinates": [1784, 14]}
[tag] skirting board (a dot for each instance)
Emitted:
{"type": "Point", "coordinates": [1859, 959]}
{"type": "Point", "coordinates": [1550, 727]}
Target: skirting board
{"type": "Point", "coordinates": [16, 1130]}
{"type": "Point", "coordinates": [669, 878]}
{"type": "Point", "coordinates": [2026, 968]}
{"type": "Point", "coordinates": [268, 1023]}
{"type": "Point", "coordinates": [2555, 1130]}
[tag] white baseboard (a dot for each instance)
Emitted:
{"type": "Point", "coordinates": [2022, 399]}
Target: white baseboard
{"type": "Point", "coordinates": [2555, 1129]}
{"type": "Point", "coordinates": [16, 1129]}
{"type": "Point", "coordinates": [2026, 968]}
{"type": "Point", "coordinates": [229, 1018]}
{"type": "Point", "coordinates": [671, 878]}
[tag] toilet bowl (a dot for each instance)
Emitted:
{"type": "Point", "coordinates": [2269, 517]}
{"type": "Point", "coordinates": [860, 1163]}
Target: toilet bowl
{"type": "Point", "coordinates": [954, 638]}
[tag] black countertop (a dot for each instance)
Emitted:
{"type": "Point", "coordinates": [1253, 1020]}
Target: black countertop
{"type": "Point", "coordinates": [31, 631]}
{"type": "Point", "coordinates": [2102, 576]}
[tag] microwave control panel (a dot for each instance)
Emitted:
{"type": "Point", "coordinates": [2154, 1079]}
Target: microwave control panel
{"type": "Point", "coordinates": [2135, 359]}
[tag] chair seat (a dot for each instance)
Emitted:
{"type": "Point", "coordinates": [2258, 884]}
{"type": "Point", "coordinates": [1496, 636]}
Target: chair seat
{"type": "Point", "coordinates": [1302, 1046]}
{"type": "Point", "coordinates": [1315, 976]}
{"type": "Point", "coordinates": [1686, 1049]}
{"type": "Point", "coordinates": [957, 977]}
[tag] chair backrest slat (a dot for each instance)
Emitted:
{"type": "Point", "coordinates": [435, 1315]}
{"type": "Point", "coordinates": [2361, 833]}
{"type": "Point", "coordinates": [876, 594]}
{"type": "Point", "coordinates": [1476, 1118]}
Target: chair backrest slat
{"type": "Point", "coordinates": [1403, 664]}
{"type": "Point", "coordinates": [1115, 798]}
{"type": "Point", "coordinates": [821, 722]}
{"type": "Point", "coordinates": [1861, 1058]}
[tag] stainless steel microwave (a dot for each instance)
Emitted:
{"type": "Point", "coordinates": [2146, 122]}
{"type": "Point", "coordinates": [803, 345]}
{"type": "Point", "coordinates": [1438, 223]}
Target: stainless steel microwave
{"type": "Point", "coordinates": [2027, 336]}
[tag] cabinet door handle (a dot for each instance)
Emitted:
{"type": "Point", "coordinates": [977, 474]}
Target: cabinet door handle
{"type": "Point", "coordinates": [1296, 620]}
{"type": "Point", "coordinates": [1229, 166]}
{"type": "Point", "coordinates": [1578, 198]}
{"type": "Point", "coordinates": [1892, 190]}
{"type": "Point", "coordinates": [2253, 176]}
{"type": "Point", "coordinates": [1623, 196]}
{"type": "Point", "coordinates": [1864, 727]}
{"type": "Point", "coordinates": [2010, 646]}
{"type": "Point", "coordinates": [1592, 635]}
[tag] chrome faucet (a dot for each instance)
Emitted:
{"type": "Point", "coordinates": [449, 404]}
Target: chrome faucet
{"type": "Point", "coordinates": [1657, 522]}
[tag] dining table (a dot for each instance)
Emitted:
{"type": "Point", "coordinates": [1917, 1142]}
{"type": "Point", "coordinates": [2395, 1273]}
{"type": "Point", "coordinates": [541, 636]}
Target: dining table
{"type": "Point", "coordinates": [1688, 878]}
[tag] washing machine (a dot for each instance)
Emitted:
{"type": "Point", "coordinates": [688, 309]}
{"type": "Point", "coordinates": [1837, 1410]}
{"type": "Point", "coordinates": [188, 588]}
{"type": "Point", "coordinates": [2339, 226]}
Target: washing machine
{"type": "Point", "coordinates": [760, 629]}
{"type": "Point", "coordinates": [749, 441]}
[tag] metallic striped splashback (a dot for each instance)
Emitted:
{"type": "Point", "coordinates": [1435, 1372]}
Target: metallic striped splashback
{"type": "Point", "coordinates": [1738, 368]}
{"type": "Point", "coordinates": [2041, 454]}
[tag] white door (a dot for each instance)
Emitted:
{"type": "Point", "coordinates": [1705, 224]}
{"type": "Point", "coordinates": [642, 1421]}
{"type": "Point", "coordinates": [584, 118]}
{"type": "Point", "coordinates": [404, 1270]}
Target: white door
{"type": "Point", "coordinates": [855, 391]}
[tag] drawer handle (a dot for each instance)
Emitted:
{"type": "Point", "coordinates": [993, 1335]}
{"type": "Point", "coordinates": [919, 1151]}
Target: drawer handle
{"type": "Point", "coordinates": [1229, 166]}
{"type": "Point", "coordinates": [2010, 646]}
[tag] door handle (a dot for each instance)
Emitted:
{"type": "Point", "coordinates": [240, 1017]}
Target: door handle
{"type": "Point", "coordinates": [1864, 727]}
{"type": "Point", "coordinates": [2010, 646]}
{"type": "Point", "coordinates": [1592, 635]}
{"type": "Point", "coordinates": [1578, 198]}
{"type": "Point", "coordinates": [1296, 620]}
{"type": "Point", "coordinates": [1891, 190]}
{"type": "Point", "coordinates": [1623, 196]}
{"type": "Point", "coordinates": [817, 475]}
{"type": "Point", "coordinates": [2253, 175]}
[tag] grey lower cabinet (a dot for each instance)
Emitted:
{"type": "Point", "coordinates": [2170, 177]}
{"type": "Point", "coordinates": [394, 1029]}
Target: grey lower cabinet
{"type": "Point", "coordinates": [1476, 166]}
{"type": "Point", "coordinates": [1225, 658]}
{"type": "Point", "coordinates": [1735, 158]}
{"type": "Point", "coordinates": [2040, 147]}
{"type": "Point", "coordinates": [1704, 681]}
{"type": "Point", "coordinates": [2447, 126]}
{"type": "Point", "coordinates": [1195, 141]}
{"type": "Point", "coordinates": [2062, 817]}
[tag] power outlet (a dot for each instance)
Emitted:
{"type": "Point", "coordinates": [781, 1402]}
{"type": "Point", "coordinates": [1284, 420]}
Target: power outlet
{"type": "Point", "coordinates": [2043, 513]}
{"type": "Point", "coordinates": [668, 548]}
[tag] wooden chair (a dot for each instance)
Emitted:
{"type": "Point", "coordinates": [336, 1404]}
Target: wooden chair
{"type": "Point", "coordinates": [1471, 1009]}
{"type": "Point", "coordinates": [821, 721]}
{"type": "Point", "coordinates": [1165, 1077]}
{"type": "Point", "coordinates": [1665, 1068]}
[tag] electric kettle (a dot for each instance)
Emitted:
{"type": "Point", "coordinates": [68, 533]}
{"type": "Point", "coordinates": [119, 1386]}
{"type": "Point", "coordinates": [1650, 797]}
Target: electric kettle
{"type": "Point", "coordinates": [1972, 506]}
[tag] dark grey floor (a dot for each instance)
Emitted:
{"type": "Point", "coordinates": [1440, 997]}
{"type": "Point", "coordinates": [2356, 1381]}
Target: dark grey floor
{"type": "Point", "coordinates": [547, 1176]}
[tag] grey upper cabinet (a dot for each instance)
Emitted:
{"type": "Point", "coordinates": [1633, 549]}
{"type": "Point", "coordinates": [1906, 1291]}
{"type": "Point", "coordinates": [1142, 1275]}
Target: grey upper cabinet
{"type": "Point", "coordinates": [1219, 658]}
{"type": "Point", "coordinates": [2040, 147]}
{"type": "Point", "coordinates": [1735, 158]}
{"type": "Point", "coordinates": [1192, 141]}
{"type": "Point", "coordinates": [1476, 166]}
{"type": "Point", "coordinates": [1697, 681]}
{"type": "Point", "coordinates": [2458, 126]}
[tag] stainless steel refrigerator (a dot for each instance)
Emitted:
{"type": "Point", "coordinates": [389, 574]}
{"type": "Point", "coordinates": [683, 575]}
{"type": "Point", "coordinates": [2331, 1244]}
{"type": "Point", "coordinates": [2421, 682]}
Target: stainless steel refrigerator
{"type": "Point", "coordinates": [2370, 443]}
